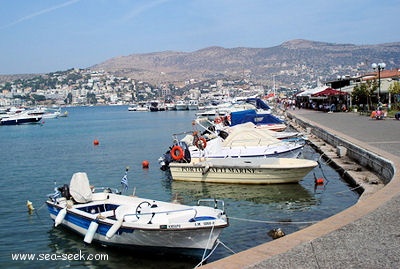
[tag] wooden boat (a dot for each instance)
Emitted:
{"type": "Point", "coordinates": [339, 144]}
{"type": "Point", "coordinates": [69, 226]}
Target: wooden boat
{"type": "Point", "coordinates": [142, 224]}
{"type": "Point", "coordinates": [243, 170]}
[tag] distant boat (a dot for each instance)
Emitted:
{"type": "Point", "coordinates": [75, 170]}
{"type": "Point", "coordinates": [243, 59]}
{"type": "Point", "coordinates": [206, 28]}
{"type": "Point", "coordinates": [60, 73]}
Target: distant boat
{"type": "Point", "coordinates": [193, 105]}
{"type": "Point", "coordinates": [243, 170]}
{"type": "Point", "coordinates": [141, 106]}
{"type": "Point", "coordinates": [181, 105]}
{"type": "Point", "coordinates": [20, 118]}
{"type": "Point", "coordinates": [156, 105]}
{"type": "Point", "coordinates": [226, 108]}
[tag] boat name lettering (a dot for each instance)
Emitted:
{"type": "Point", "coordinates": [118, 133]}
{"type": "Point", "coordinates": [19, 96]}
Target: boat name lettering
{"type": "Point", "coordinates": [220, 170]}
{"type": "Point", "coordinates": [174, 226]}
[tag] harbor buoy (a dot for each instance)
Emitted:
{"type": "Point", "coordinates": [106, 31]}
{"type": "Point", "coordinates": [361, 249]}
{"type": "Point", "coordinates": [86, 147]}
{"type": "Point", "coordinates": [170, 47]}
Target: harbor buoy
{"type": "Point", "coordinates": [90, 232]}
{"type": "Point", "coordinates": [60, 217]}
{"type": "Point", "coordinates": [96, 142]}
{"type": "Point", "coordinates": [30, 206]}
{"type": "Point", "coordinates": [145, 164]}
{"type": "Point", "coordinates": [319, 181]}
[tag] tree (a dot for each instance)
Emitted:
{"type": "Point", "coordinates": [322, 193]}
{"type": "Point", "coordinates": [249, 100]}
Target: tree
{"type": "Point", "coordinates": [68, 100]}
{"type": "Point", "coordinates": [363, 92]}
{"type": "Point", "coordinates": [394, 90]}
{"type": "Point", "coordinates": [91, 98]}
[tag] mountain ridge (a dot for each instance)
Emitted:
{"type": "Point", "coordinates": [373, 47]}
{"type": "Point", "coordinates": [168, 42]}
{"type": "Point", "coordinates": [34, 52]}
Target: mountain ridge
{"type": "Point", "coordinates": [299, 58]}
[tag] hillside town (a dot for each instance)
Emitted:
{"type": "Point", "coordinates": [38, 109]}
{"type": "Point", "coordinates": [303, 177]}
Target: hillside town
{"type": "Point", "coordinates": [76, 87]}
{"type": "Point", "coordinates": [82, 87]}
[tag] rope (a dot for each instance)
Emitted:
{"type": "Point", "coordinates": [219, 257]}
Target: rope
{"type": "Point", "coordinates": [212, 251]}
{"type": "Point", "coordinates": [204, 258]}
{"type": "Point", "coordinates": [275, 222]}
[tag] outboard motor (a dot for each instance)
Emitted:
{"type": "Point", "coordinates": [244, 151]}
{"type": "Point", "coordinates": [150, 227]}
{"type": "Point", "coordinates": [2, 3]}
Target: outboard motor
{"type": "Point", "coordinates": [65, 191]}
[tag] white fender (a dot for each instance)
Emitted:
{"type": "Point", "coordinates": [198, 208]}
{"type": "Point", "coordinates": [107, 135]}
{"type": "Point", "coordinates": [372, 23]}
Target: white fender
{"type": "Point", "coordinates": [110, 233]}
{"type": "Point", "coordinates": [90, 232]}
{"type": "Point", "coordinates": [60, 217]}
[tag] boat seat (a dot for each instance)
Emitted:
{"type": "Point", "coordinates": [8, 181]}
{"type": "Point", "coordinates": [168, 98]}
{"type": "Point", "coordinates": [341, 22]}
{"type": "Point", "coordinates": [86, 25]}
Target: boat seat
{"type": "Point", "coordinates": [126, 212]}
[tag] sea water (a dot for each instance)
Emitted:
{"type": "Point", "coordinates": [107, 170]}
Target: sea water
{"type": "Point", "coordinates": [36, 158]}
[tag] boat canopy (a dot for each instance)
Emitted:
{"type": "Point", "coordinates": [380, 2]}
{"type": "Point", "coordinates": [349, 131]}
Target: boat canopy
{"type": "Point", "coordinates": [244, 136]}
{"type": "Point", "coordinates": [79, 188]}
{"type": "Point", "coordinates": [251, 115]}
{"type": "Point", "coordinates": [259, 103]}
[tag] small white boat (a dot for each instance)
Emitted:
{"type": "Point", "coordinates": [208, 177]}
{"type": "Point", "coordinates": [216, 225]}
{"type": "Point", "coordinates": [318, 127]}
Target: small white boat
{"type": "Point", "coordinates": [243, 170]}
{"type": "Point", "coordinates": [142, 224]}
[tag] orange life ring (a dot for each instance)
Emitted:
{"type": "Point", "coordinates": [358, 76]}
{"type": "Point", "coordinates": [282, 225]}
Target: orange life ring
{"type": "Point", "coordinates": [177, 153]}
{"type": "Point", "coordinates": [200, 142]}
{"type": "Point", "coordinates": [218, 120]}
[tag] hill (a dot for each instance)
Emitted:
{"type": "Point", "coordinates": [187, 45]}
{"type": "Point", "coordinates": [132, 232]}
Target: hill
{"type": "Point", "coordinates": [291, 62]}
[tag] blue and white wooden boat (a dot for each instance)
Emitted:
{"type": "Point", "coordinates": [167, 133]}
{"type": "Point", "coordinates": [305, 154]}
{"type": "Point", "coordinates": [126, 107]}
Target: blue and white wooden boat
{"type": "Point", "coordinates": [143, 224]}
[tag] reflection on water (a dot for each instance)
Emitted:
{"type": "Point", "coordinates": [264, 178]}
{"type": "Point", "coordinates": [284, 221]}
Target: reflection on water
{"type": "Point", "coordinates": [259, 194]}
{"type": "Point", "coordinates": [65, 242]}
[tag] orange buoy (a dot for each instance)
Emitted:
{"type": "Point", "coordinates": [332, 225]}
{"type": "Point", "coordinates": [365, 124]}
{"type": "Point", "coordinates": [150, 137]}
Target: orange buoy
{"type": "Point", "coordinates": [319, 181]}
{"type": "Point", "coordinates": [96, 142]}
{"type": "Point", "coordinates": [145, 164]}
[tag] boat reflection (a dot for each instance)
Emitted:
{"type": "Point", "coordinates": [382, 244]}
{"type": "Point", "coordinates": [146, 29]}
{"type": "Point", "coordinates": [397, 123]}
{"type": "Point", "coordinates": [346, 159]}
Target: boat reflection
{"type": "Point", "coordinates": [72, 252]}
{"type": "Point", "coordinates": [258, 194]}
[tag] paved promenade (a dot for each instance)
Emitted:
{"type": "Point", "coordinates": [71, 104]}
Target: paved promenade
{"type": "Point", "coordinates": [366, 235]}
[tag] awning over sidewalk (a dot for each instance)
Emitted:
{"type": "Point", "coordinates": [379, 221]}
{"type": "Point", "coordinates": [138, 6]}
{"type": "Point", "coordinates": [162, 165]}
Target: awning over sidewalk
{"type": "Point", "coordinates": [328, 92]}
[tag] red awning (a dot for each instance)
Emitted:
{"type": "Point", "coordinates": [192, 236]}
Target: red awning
{"type": "Point", "coordinates": [329, 92]}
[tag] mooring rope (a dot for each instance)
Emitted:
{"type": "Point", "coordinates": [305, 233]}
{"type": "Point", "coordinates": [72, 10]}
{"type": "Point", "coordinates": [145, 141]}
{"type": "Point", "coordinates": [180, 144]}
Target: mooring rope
{"type": "Point", "coordinates": [275, 222]}
{"type": "Point", "coordinates": [212, 251]}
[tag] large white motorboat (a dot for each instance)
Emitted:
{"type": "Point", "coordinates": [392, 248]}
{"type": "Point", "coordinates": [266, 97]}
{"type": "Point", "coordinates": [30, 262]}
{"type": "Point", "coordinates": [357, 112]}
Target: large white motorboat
{"type": "Point", "coordinates": [242, 170]}
{"type": "Point", "coordinates": [239, 143]}
{"type": "Point", "coordinates": [110, 218]}
{"type": "Point", "coordinates": [22, 117]}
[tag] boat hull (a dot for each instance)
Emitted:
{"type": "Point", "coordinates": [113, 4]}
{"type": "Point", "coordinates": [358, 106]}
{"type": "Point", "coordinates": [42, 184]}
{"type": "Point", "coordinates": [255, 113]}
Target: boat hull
{"type": "Point", "coordinates": [243, 170]}
{"type": "Point", "coordinates": [20, 120]}
{"type": "Point", "coordinates": [159, 231]}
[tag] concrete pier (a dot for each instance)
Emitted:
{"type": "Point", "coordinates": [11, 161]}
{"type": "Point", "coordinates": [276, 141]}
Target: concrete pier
{"type": "Point", "coordinates": [366, 235]}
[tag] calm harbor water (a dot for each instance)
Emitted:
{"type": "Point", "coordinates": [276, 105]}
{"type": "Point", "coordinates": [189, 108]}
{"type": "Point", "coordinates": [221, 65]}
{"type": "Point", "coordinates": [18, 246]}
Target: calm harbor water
{"type": "Point", "coordinates": [36, 157]}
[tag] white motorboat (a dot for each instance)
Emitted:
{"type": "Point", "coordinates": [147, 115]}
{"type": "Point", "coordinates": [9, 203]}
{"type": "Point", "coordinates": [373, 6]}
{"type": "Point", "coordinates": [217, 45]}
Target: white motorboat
{"type": "Point", "coordinates": [141, 106]}
{"type": "Point", "coordinates": [226, 108]}
{"type": "Point", "coordinates": [243, 170]}
{"type": "Point", "coordinates": [181, 105]}
{"type": "Point", "coordinates": [193, 105]}
{"type": "Point", "coordinates": [142, 224]}
{"type": "Point", "coordinates": [23, 117]}
{"type": "Point", "coordinates": [240, 143]}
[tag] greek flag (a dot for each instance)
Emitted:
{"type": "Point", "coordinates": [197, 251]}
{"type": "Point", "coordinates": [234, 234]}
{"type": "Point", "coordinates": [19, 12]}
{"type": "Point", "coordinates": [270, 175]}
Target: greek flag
{"type": "Point", "coordinates": [124, 181]}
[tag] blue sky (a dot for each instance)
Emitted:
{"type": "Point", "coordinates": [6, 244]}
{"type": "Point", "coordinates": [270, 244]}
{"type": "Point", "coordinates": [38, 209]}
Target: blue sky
{"type": "Point", "coordinates": [51, 35]}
